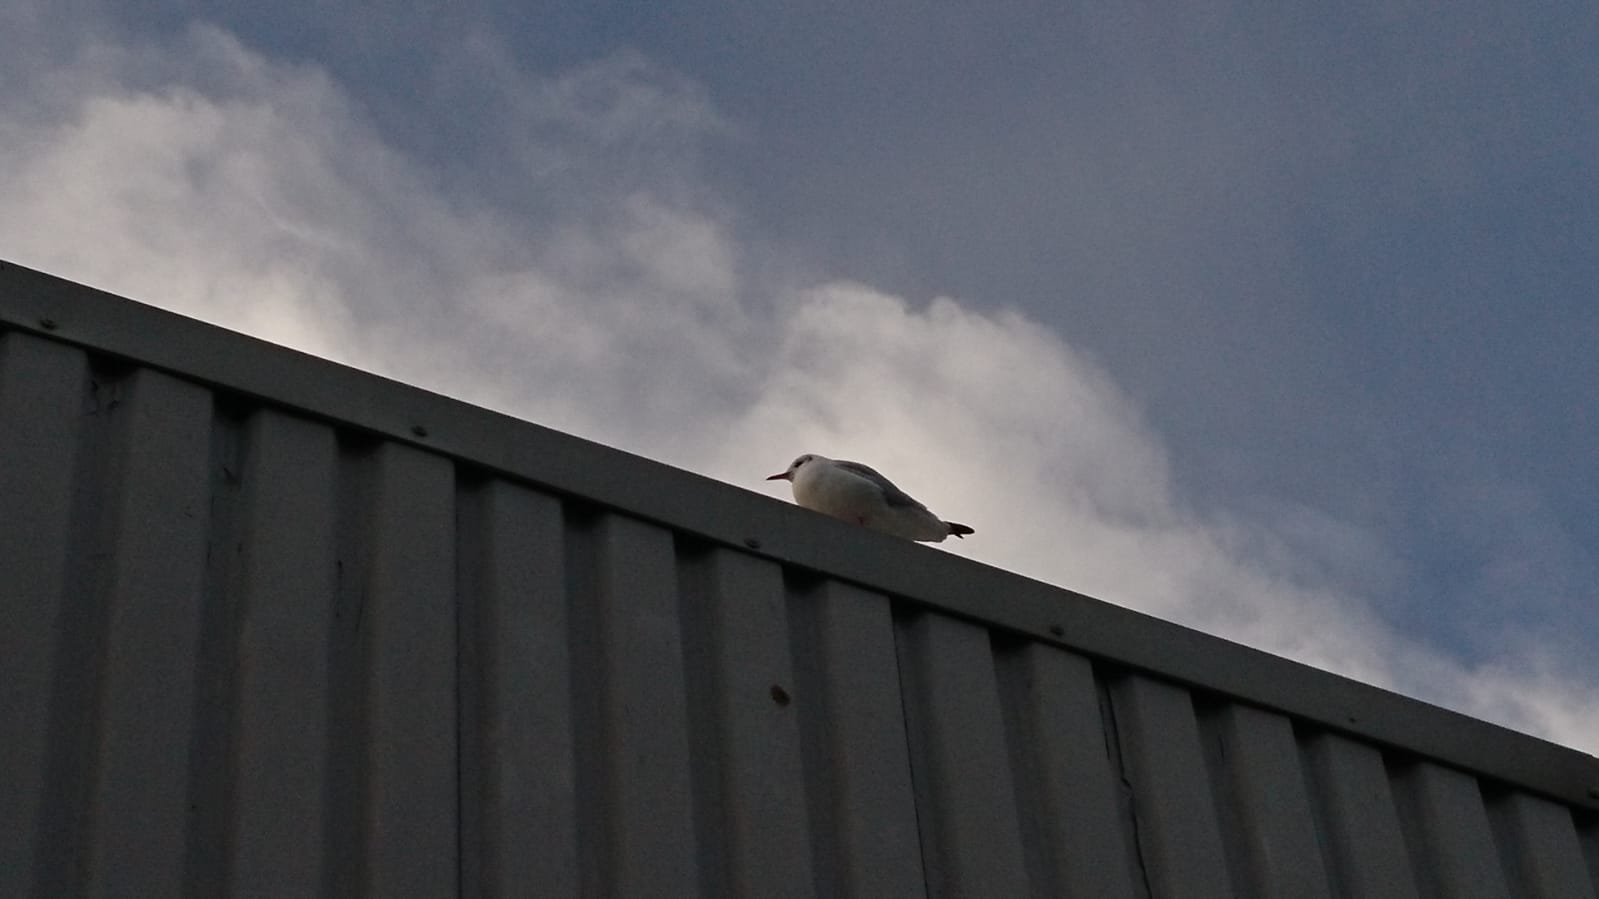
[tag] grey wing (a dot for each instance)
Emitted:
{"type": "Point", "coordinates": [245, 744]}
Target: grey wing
{"type": "Point", "coordinates": [891, 494]}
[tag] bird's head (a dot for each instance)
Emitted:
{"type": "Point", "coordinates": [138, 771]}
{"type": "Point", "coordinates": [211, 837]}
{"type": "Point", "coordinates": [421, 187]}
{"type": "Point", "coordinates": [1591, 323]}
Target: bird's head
{"type": "Point", "coordinates": [794, 468]}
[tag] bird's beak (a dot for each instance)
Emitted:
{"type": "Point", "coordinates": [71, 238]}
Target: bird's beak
{"type": "Point", "coordinates": [780, 476]}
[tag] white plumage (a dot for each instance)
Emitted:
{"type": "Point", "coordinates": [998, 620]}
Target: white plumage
{"type": "Point", "coordinates": [858, 494]}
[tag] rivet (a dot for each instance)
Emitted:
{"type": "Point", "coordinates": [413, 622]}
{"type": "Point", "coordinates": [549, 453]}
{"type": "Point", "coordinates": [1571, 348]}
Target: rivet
{"type": "Point", "coordinates": [780, 695]}
{"type": "Point", "coordinates": [49, 324]}
{"type": "Point", "coordinates": [752, 543]}
{"type": "Point", "coordinates": [1057, 631]}
{"type": "Point", "coordinates": [419, 431]}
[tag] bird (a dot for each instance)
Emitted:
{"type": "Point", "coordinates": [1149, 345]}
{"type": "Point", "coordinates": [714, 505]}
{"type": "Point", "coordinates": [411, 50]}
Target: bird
{"type": "Point", "coordinates": [857, 493]}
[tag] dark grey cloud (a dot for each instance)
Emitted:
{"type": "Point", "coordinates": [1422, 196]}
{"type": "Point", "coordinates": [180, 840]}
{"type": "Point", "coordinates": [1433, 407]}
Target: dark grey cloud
{"type": "Point", "coordinates": [1330, 250]}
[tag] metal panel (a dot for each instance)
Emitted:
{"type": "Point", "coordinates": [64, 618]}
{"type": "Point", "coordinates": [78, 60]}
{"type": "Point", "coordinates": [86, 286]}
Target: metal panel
{"type": "Point", "coordinates": [862, 807]}
{"type": "Point", "coordinates": [1588, 837]}
{"type": "Point", "coordinates": [152, 597]}
{"type": "Point", "coordinates": [519, 783]}
{"type": "Point", "coordinates": [723, 514]}
{"type": "Point", "coordinates": [281, 628]}
{"type": "Point", "coordinates": [971, 836]}
{"type": "Point", "coordinates": [633, 678]}
{"type": "Point", "coordinates": [41, 389]}
{"type": "Point", "coordinates": [753, 816]}
{"type": "Point", "coordinates": [405, 624]}
{"type": "Point", "coordinates": [1540, 840]}
{"type": "Point", "coordinates": [1266, 808]}
{"type": "Point", "coordinates": [1067, 783]}
{"type": "Point", "coordinates": [281, 695]}
{"type": "Point", "coordinates": [1359, 820]}
{"type": "Point", "coordinates": [1179, 832]}
{"type": "Point", "coordinates": [1447, 830]}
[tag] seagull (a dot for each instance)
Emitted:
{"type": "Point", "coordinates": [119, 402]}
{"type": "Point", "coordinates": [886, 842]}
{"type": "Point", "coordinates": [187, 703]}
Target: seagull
{"type": "Point", "coordinates": [855, 492]}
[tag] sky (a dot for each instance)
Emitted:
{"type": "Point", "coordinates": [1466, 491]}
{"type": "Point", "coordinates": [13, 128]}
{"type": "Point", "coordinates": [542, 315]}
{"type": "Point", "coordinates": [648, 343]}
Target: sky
{"type": "Point", "coordinates": [1273, 320]}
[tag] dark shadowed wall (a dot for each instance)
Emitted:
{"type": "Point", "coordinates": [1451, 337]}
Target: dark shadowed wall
{"type": "Point", "coordinates": [273, 627]}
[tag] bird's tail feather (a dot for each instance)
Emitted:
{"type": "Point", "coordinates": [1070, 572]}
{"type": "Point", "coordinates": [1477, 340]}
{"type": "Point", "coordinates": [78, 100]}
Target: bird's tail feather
{"type": "Point", "coordinates": [958, 530]}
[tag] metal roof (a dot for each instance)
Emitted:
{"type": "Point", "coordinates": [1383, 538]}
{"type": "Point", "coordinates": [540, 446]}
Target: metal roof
{"type": "Point", "coordinates": [278, 627]}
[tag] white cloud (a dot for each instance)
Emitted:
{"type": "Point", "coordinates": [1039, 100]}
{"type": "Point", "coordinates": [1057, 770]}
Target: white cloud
{"type": "Point", "coordinates": [254, 194]}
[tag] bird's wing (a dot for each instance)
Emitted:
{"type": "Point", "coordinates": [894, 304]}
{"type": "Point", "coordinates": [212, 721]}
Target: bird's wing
{"type": "Point", "coordinates": [891, 494]}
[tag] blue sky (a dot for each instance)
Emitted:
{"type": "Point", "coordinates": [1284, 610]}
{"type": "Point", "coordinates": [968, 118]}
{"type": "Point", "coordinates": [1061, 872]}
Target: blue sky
{"type": "Point", "coordinates": [1271, 319]}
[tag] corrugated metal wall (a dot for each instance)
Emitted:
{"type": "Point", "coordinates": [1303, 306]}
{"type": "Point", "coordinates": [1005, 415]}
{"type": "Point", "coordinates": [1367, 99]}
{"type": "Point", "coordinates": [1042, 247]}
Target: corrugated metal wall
{"type": "Point", "coordinates": [252, 649]}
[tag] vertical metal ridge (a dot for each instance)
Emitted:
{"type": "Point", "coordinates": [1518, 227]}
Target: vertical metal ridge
{"type": "Point", "coordinates": [1216, 752]}
{"type": "Point", "coordinates": [1321, 820]}
{"type": "Point", "coordinates": [629, 696]}
{"type": "Point", "coordinates": [1412, 824]}
{"type": "Point", "coordinates": [1504, 826]}
{"type": "Point", "coordinates": [409, 627]}
{"type": "Point", "coordinates": [75, 694]}
{"type": "Point", "coordinates": [345, 827]}
{"type": "Point", "coordinates": [519, 804]}
{"type": "Point", "coordinates": [701, 647]}
{"type": "Point", "coordinates": [44, 460]}
{"type": "Point", "coordinates": [139, 799]}
{"type": "Point", "coordinates": [1065, 780]}
{"type": "Point", "coordinates": [1126, 796]}
{"type": "Point", "coordinates": [1355, 811]}
{"type": "Point", "coordinates": [971, 832]}
{"type": "Point", "coordinates": [1446, 828]}
{"type": "Point", "coordinates": [211, 773]}
{"type": "Point", "coordinates": [912, 707]}
{"type": "Point", "coordinates": [283, 570]}
{"type": "Point", "coordinates": [814, 713]}
{"type": "Point", "coordinates": [1264, 807]}
{"type": "Point", "coordinates": [1163, 763]}
{"type": "Point", "coordinates": [474, 684]}
{"type": "Point", "coordinates": [646, 706]}
{"type": "Point", "coordinates": [1588, 838]}
{"type": "Point", "coordinates": [1018, 693]}
{"type": "Point", "coordinates": [741, 703]}
{"type": "Point", "coordinates": [589, 731]}
{"type": "Point", "coordinates": [855, 750]}
{"type": "Point", "coordinates": [1540, 849]}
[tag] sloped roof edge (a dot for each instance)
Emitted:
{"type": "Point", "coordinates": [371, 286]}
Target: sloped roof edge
{"type": "Point", "coordinates": [42, 304]}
